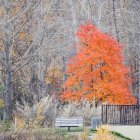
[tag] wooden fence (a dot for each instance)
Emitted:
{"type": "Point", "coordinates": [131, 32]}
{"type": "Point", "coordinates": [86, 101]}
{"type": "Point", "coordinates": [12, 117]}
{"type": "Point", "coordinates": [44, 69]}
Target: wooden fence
{"type": "Point", "coordinates": [121, 114]}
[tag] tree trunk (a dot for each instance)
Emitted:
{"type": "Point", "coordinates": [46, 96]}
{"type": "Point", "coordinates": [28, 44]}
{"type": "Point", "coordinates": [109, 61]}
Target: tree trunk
{"type": "Point", "coordinates": [7, 79]}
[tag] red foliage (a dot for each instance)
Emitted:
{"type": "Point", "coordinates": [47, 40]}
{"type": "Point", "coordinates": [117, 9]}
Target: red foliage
{"type": "Point", "coordinates": [97, 71]}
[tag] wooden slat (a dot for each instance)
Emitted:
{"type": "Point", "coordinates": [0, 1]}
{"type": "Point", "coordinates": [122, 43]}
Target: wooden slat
{"type": "Point", "coordinates": [121, 114]}
{"type": "Point", "coordinates": [69, 122]}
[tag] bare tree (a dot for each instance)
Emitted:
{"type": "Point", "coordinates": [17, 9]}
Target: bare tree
{"type": "Point", "coordinates": [38, 36]}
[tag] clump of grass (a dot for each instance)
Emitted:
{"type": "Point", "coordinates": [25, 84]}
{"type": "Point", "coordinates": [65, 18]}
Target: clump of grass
{"type": "Point", "coordinates": [120, 135]}
{"type": "Point", "coordinates": [5, 126]}
{"type": "Point", "coordinates": [84, 135]}
{"type": "Point", "coordinates": [34, 122]}
{"type": "Point", "coordinates": [103, 133]}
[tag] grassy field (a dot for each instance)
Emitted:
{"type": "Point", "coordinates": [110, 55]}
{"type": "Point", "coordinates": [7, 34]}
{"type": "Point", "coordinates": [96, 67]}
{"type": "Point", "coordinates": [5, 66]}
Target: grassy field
{"type": "Point", "coordinates": [55, 134]}
{"type": "Point", "coordinates": [75, 130]}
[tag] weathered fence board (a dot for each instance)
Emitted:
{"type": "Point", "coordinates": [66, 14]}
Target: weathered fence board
{"type": "Point", "coordinates": [121, 114]}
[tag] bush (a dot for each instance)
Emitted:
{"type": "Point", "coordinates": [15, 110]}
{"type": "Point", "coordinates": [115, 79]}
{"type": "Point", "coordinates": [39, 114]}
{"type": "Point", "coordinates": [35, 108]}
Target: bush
{"type": "Point", "coordinates": [84, 109]}
{"type": "Point", "coordinates": [44, 113]}
{"type": "Point", "coordinates": [41, 114]}
{"type": "Point", "coordinates": [103, 133]}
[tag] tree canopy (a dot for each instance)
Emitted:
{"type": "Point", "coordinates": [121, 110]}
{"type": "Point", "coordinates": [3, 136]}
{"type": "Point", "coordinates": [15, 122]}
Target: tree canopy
{"type": "Point", "coordinates": [97, 71]}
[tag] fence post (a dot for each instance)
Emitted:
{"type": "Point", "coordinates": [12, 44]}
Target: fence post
{"type": "Point", "coordinates": [102, 120]}
{"type": "Point", "coordinates": [106, 114]}
{"type": "Point", "coordinates": [120, 114]}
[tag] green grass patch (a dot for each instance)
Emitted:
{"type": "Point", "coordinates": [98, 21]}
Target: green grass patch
{"type": "Point", "coordinates": [64, 130]}
{"type": "Point", "coordinates": [72, 129]}
{"type": "Point", "coordinates": [120, 135]}
{"type": "Point", "coordinates": [116, 134]}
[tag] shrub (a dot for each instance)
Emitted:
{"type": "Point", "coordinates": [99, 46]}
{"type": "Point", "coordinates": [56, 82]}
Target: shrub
{"type": "Point", "coordinates": [40, 114]}
{"type": "Point", "coordinates": [103, 133]}
{"type": "Point", "coordinates": [84, 109]}
{"type": "Point", "coordinates": [44, 113]}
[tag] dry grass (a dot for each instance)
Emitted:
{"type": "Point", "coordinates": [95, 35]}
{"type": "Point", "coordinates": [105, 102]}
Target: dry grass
{"type": "Point", "coordinates": [38, 134]}
{"type": "Point", "coordinates": [81, 109]}
{"type": "Point", "coordinates": [44, 113]}
{"type": "Point", "coordinates": [103, 133]}
{"type": "Point", "coordinates": [85, 134]}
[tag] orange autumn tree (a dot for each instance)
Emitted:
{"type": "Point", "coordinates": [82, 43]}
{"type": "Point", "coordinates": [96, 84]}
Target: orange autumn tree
{"type": "Point", "coordinates": [97, 71]}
